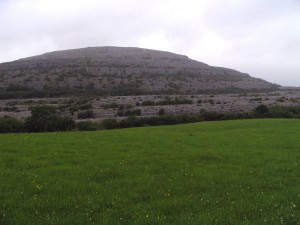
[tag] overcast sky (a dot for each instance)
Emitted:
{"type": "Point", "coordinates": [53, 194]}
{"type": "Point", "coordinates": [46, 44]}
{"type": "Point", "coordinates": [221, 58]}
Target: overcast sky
{"type": "Point", "coordinates": [259, 37]}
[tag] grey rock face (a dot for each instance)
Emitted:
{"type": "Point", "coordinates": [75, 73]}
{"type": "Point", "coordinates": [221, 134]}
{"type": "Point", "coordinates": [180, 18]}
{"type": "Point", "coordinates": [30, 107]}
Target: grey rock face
{"type": "Point", "coordinates": [117, 70]}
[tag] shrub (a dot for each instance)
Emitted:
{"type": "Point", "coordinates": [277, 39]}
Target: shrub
{"type": "Point", "coordinates": [136, 112]}
{"type": "Point", "coordinates": [285, 112]}
{"type": "Point", "coordinates": [262, 110]}
{"type": "Point", "coordinates": [131, 121]}
{"type": "Point", "coordinates": [11, 125]}
{"type": "Point", "coordinates": [42, 119]}
{"type": "Point", "coordinates": [85, 114]}
{"type": "Point", "coordinates": [148, 103]}
{"type": "Point", "coordinates": [85, 106]}
{"type": "Point", "coordinates": [11, 109]}
{"type": "Point", "coordinates": [112, 105]}
{"type": "Point", "coordinates": [211, 101]}
{"type": "Point", "coordinates": [77, 107]}
{"type": "Point", "coordinates": [65, 123]}
{"type": "Point", "coordinates": [45, 119]}
{"type": "Point", "coordinates": [177, 101]}
{"type": "Point", "coordinates": [282, 99]}
{"type": "Point", "coordinates": [168, 101]}
{"type": "Point", "coordinates": [110, 124]}
{"type": "Point", "coordinates": [161, 111]}
{"type": "Point", "coordinates": [87, 126]}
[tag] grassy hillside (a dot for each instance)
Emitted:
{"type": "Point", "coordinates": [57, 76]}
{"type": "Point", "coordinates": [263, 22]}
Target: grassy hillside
{"type": "Point", "coordinates": [233, 172]}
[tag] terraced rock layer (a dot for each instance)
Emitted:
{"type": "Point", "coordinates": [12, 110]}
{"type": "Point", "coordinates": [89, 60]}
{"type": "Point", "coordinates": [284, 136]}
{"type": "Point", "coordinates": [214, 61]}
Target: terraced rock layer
{"type": "Point", "coordinates": [122, 71]}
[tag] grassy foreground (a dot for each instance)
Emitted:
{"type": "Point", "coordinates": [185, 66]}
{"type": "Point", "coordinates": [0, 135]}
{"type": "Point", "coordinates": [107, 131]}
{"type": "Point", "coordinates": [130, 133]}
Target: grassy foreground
{"type": "Point", "coordinates": [232, 172]}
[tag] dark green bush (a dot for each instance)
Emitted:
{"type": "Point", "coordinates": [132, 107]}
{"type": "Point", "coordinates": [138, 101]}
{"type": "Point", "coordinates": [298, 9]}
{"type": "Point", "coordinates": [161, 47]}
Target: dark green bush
{"type": "Point", "coordinates": [85, 114]}
{"type": "Point", "coordinates": [65, 123]}
{"type": "Point", "coordinates": [161, 112]}
{"type": "Point", "coordinates": [211, 101]}
{"type": "Point", "coordinates": [262, 111]}
{"type": "Point", "coordinates": [176, 101]}
{"type": "Point", "coordinates": [42, 119]}
{"type": "Point", "coordinates": [111, 105]}
{"type": "Point", "coordinates": [110, 124]}
{"type": "Point", "coordinates": [45, 119]}
{"type": "Point", "coordinates": [168, 101]}
{"type": "Point", "coordinates": [285, 112]}
{"type": "Point", "coordinates": [87, 126]}
{"type": "Point", "coordinates": [11, 125]}
{"type": "Point", "coordinates": [135, 112]}
{"type": "Point", "coordinates": [148, 103]}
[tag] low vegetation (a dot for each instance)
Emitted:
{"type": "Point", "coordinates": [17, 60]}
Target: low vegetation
{"type": "Point", "coordinates": [11, 125]}
{"type": "Point", "coordinates": [46, 119]}
{"type": "Point", "coordinates": [168, 101]}
{"type": "Point", "coordinates": [85, 114]}
{"type": "Point", "coordinates": [134, 112]}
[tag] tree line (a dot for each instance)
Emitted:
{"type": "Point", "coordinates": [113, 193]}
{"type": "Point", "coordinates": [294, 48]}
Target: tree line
{"type": "Point", "coordinates": [46, 119]}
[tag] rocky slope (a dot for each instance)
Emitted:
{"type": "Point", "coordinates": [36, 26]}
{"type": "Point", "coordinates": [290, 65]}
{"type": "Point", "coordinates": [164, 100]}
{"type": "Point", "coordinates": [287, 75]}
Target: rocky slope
{"type": "Point", "coordinates": [122, 71]}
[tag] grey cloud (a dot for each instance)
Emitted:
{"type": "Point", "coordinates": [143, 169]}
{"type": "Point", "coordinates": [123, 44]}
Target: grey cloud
{"type": "Point", "coordinates": [254, 36]}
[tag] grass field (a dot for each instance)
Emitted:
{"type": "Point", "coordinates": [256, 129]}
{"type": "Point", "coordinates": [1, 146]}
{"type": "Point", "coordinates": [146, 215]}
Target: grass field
{"type": "Point", "coordinates": [233, 172]}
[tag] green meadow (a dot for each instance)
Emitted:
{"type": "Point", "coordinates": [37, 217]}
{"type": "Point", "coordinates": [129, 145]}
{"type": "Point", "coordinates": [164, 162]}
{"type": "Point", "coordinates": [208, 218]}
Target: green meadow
{"type": "Point", "coordinates": [226, 172]}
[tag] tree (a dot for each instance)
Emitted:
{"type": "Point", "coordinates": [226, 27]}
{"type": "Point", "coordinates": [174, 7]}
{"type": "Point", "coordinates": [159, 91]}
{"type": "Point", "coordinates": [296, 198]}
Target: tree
{"type": "Point", "coordinates": [44, 119]}
{"type": "Point", "coordinates": [262, 110]}
{"type": "Point", "coordinates": [161, 111]}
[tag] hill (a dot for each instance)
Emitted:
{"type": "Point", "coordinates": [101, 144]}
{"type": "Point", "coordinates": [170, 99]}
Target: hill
{"type": "Point", "coordinates": [121, 71]}
{"type": "Point", "coordinates": [233, 172]}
